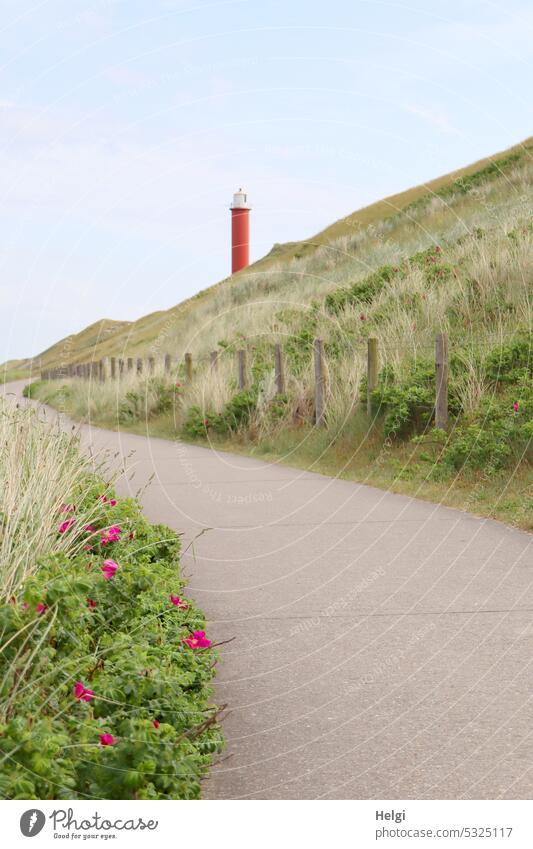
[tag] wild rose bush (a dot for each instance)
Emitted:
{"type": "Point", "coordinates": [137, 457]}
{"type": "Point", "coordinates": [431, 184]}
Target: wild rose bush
{"type": "Point", "coordinates": [105, 668]}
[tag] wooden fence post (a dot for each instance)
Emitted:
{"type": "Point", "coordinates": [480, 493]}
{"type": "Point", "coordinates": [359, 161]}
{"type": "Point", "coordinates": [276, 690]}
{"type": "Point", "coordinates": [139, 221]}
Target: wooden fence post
{"type": "Point", "coordinates": [139, 365]}
{"type": "Point", "coordinates": [168, 363]}
{"type": "Point", "coordinates": [279, 370]}
{"type": "Point", "coordinates": [130, 364]}
{"type": "Point", "coordinates": [113, 367]}
{"type": "Point", "coordinates": [94, 370]}
{"type": "Point", "coordinates": [318, 348]}
{"type": "Point", "coordinates": [214, 360]}
{"type": "Point", "coordinates": [120, 367]}
{"type": "Point", "coordinates": [188, 367]}
{"type": "Point", "coordinates": [241, 359]}
{"type": "Point", "coordinates": [441, 375]}
{"type": "Point", "coordinates": [151, 365]}
{"type": "Point", "coordinates": [372, 372]}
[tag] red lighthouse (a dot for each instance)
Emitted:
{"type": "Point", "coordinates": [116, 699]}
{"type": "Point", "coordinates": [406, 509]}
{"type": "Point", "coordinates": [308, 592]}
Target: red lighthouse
{"type": "Point", "coordinates": [240, 231]}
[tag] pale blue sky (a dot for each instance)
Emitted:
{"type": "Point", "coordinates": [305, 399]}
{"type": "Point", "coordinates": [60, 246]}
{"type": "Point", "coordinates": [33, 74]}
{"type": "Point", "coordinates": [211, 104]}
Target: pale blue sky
{"type": "Point", "coordinates": [128, 124]}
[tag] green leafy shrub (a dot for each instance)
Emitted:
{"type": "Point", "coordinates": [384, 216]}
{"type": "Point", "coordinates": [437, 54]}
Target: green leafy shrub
{"type": "Point", "coordinates": [236, 414]}
{"type": "Point", "coordinates": [479, 447]}
{"type": "Point", "coordinates": [197, 421]}
{"type": "Point", "coordinates": [433, 264]}
{"type": "Point", "coordinates": [31, 390]}
{"type": "Point", "coordinates": [277, 409]}
{"type": "Point", "coordinates": [362, 292]}
{"type": "Point", "coordinates": [152, 398]}
{"type": "Point", "coordinates": [124, 639]}
{"type": "Point", "coordinates": [498, 431]}
{"type": "Point", "coordinates": [62, 391]}
{"type": "Point", "coordinates": [511, 363]}
{"type": "Point", "coordinates": [407, 404]}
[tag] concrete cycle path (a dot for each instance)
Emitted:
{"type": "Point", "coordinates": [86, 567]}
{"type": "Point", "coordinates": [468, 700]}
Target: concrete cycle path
{"type": "Point", "coordinates": [382, 645]}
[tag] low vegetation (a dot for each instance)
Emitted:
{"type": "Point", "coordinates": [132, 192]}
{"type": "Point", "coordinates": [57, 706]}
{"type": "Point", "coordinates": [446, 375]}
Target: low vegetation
{"type": "Point", "coordinates": [105, 667]}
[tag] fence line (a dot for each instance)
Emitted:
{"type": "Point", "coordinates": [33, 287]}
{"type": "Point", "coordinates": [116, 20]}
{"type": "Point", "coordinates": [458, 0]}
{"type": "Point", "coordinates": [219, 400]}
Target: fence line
{"type": "Point", "coordinates": [113, 368]}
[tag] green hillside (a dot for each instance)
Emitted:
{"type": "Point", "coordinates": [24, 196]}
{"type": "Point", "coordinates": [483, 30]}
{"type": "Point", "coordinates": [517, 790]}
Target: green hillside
{"type": "Point", "coordinates": [292, 271]}
{"type": "Point", "coordinates": [454, 256]}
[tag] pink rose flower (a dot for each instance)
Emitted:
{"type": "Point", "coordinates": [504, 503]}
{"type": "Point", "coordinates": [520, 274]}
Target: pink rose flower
{"type": "Point", "coordinates": [156, 723]}
{"type": "Point", "coordinates": [197, 640]}
{"type": "Point", "coordinates": [40, 608]}
{"type": "Point", "coordinates": [109, 569]}
{"type": "Point", "coordinates": [178, 602]}
{"type": "Point", "coordinates": [65, 526]}
{"type": "Point", "coordinates": [81, 693]}
{"type": "Point", "coordinates": [112, 534]}
{"type": "Point", "coordinates": [107, 739]}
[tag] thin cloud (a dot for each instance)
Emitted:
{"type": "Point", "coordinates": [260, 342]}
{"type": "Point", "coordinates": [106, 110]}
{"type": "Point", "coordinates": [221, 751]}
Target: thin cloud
{"type": "Point", "coordinates": [436, 117]}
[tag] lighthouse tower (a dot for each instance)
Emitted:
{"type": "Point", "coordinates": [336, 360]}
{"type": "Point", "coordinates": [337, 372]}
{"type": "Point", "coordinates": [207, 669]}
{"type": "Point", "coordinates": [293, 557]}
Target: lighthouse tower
{"type": "Point", "coordinates": [240, 231]}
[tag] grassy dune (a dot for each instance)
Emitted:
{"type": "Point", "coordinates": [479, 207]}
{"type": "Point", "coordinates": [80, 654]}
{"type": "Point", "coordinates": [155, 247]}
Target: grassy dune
{"type": "Point", "coordinates": [296, 272]}
{"type": "Point", "coordinates": [456, 259]}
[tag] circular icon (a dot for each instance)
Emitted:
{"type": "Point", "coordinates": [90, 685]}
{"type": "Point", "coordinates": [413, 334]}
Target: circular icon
{"type": "Point", "coordinates": [32, 822]}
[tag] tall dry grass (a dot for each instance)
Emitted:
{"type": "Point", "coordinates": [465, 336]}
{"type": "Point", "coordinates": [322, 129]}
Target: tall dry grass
{"type": "Point", "coordinates": [41, 470]}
